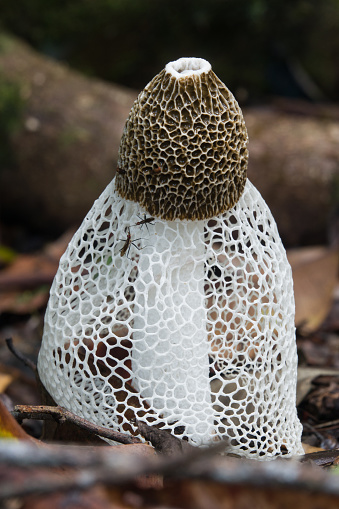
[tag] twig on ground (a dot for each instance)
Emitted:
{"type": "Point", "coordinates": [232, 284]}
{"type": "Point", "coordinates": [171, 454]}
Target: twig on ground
{"type": "Point", "coordinates": [60, 414]}
{"type": "Point", "coordinates": [27, 362]}
{"type": "Point", "coordinates": [328, 425]}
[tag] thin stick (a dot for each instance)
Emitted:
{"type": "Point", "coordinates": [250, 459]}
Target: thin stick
{"type": "Point", "coordinates": [327, 425]}
{"type": "Point", "coordinates": [27, 362]}
{"type": "Point", "coordinates": [60, 414]}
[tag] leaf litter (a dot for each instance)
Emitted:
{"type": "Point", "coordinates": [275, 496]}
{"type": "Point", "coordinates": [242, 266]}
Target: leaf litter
{"type": "Point", "coordinates": [25, 277]}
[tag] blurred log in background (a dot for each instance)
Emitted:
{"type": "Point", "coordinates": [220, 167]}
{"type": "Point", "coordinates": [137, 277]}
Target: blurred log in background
{"type": "Point", "coordinates": [61, 132]}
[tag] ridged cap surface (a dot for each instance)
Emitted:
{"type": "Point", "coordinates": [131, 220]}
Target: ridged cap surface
{"type": "Point", "coordinates": [183, 153]}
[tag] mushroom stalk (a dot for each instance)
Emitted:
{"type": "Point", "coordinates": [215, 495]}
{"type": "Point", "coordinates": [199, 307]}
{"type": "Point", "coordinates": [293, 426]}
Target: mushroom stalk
{"type": "Point", "coordinates": [170, 357]}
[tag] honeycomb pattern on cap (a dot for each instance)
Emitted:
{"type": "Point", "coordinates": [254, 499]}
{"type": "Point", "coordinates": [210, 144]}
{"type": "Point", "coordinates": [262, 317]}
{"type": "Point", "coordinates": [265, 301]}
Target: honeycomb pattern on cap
{"type": "Point", "coordinates": [183, 153]}
{"type": "Point", "coordinates": [186, 325]}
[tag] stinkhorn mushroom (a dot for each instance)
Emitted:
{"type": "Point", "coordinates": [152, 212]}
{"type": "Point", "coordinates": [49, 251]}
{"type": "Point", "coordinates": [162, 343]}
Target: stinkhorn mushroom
{"type": "Point", "coordinates": [173, 303]}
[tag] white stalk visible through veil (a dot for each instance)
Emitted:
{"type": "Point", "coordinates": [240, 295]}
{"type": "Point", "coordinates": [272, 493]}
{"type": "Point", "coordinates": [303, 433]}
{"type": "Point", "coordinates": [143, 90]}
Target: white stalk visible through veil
{"type": "Point", "coordinates": [170, 358]}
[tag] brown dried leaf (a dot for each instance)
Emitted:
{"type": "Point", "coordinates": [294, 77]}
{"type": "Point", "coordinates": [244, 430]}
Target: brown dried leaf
{"type": "Point", "coordinates": [9, 428]}
{"type": "Point", "coordinates": [306, 375]}
{"type": "Point", "coordinates": [323, 401]}
{"type": "Point", "coordinates": [308, 449]}
{"type": "Point", "coordinates": [24, 302]}
{"type": "Point", "coordinates": [315, 274]}
{"type": "Point", "coordinates": [26, 281]}
{"type": "Point", "coordinates": [28, 271]}
{"type": "Point", "coordinates": [5, 381]}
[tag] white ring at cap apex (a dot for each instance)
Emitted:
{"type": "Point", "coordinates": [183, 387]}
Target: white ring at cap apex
{"type": "Point", "coordinates": [187, 66]}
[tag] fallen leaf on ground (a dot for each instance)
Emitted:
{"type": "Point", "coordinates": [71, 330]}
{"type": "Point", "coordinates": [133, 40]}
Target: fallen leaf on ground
{"type": "Point", "coordinates": [306, 375]}
{"type": "Point", "coordinates": [308, 449]}
{"type": "Point", "coordinates": [28, 271]}
{"type": "Point", "coordinates": [24, 302]}
{"type": "Point", "coordinates": [5, 381]}
{"type": "Point", "coordinates": [25, 282]}
{"type": "Point", "coordinates": [9, 428]}
{"type": "Point", "coordinates": [323, 400]}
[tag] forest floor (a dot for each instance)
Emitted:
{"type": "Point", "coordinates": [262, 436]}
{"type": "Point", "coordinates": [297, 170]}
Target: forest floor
{"type": "Point", "coordinates": [25, 280]}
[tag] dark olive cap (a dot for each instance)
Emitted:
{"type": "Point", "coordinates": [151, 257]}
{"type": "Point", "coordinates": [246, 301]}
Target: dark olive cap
{"type": "Point", "coordinates": [183, 152]}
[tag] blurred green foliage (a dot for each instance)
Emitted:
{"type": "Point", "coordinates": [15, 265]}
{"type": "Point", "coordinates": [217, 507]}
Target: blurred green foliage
{"type": "Point", "coordinates": [257, 47]}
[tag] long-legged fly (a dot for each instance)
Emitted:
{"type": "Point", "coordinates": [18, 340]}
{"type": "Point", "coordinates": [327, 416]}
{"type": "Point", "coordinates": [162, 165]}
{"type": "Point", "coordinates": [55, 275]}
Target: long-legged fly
{"type": "Point", "coordinates": [128, 242]}
{"type": "Point", "coordinates": [144, 221]}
